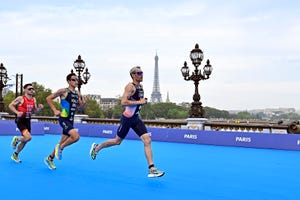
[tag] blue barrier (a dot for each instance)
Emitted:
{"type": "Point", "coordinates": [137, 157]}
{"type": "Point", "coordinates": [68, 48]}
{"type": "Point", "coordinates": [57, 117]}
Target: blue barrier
{"type": "Point", "coordinates": [8, 127]}
{"type": "Point", "coordinates": [241, 139]}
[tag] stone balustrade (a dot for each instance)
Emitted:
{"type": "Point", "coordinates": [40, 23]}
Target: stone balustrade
{"type": "Point", "coordinates": [211, 124]}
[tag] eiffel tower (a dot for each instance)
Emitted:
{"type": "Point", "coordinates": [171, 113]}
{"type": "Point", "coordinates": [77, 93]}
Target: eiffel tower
{"type": "Point", "coordinates": [156, 95]}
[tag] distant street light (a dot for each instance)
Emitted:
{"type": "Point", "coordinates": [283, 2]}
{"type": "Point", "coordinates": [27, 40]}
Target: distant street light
{"type": "Point", "coordinates": [196, 56]}
{"type": "Point", "coordinates": [3, 81]}
{"type": "Point", "coordinates": [83, 77]}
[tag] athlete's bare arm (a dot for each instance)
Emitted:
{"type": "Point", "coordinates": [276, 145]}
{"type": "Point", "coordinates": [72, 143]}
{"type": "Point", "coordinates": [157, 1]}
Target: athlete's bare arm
{"type": "Point", "coordinates": [12, 106]}
{"type": "Point", "coordinates": [59, 93]}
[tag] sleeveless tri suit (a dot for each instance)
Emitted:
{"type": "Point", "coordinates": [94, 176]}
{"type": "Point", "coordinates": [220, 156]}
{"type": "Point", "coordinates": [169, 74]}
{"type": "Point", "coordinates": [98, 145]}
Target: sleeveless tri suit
{"type": "Point", "coordinates": [26, 107]}
{"type": "Point", "coordinates": [69, 106]}
{"type": "Point", "coordinates": [130, 117]}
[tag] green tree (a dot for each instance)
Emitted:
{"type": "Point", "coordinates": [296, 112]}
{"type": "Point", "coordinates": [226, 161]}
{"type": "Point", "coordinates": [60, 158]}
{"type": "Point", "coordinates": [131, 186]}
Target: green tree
{"type": "Point", "coordinates": [176, 113]}
{"type": "Point", "coordinates": [40, 94]}
{"type": "Point", "coordinates": [108, 113]}
{"type": "Point", "coordinates": [117, 110]}
{"type": "Point", "coordinates": [93, 110]}
{"type": "Point", "coordinates": [164, 110]}
{"type": "Point", "coordinates": [147, 112]}
{"type": "Point", "coordinates": [7, 99]}
{"type": "Point", "coordinates": [244, 115]}
{"type": "Point", "coordinates": [215, 113]}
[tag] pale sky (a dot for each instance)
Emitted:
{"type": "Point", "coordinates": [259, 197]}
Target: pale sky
{"type": "Point", "coordinates": [253, 46]}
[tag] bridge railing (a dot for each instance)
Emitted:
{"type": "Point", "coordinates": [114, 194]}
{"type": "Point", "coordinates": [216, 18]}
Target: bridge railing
{"type": "Point", "coordinates": [246, 127]}
{"type": "Point", "coordinates": [211, 124]}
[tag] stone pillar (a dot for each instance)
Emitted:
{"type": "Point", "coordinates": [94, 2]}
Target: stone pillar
{"type": "Point", "coordinates": [78, 118]}
{"type": "Point", "coordinates": [195, 123]}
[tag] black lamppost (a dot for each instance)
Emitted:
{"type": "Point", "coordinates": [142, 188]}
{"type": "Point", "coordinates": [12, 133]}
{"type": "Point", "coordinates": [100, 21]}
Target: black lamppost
{"type": "Point", "coordinates": [19, 84]}
{"type": "Point", "coordinates": [83, 77]}
{"type": "Point", "coordinates": [196, 57]}
{"type": "Point", "coordinates": [3, 81]}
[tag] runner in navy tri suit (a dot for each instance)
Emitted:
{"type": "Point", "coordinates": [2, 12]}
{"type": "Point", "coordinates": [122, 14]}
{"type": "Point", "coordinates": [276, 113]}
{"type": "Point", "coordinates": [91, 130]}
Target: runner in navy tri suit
{"type": "Point", "coordinates": [70, 100]}
{"type": "Point", "coordinates": [132, 98]}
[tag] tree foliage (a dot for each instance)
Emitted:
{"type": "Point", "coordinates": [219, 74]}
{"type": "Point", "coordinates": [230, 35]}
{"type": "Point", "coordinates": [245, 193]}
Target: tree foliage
{"type": "Point", "coordinates": [215, 113]}
{"type": "Point", "coordinates": [40, 94]}
{"type": "Point", "coordinates": [93, 110]}
{"type": "Point", "coordinates": [9, 97]}
{"type": "Point", "coordinates": [164, 110]}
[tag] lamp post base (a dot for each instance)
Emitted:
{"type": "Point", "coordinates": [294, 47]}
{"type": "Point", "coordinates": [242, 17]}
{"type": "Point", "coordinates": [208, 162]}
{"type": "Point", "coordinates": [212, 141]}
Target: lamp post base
{"type": "Point", "coordinates": [195, 123]}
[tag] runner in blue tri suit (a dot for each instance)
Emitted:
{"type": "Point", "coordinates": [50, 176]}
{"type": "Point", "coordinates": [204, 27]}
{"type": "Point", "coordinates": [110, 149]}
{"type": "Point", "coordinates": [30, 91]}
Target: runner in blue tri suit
{"type": "Point", "coordinates": [132, 98]}
{"type": "Point", "coordinates": [70, 100]}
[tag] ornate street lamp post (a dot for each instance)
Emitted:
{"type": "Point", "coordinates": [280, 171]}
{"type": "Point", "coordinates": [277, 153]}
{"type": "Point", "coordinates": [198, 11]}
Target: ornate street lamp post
{"type": "Point", "coordinates": [83, 77]}
{"type": "Point", "coordinates": [196, 56]}
{"type": "Point", "coordinates": [3, 81]}
{"type": "Point", "coordinates": [19, 84]}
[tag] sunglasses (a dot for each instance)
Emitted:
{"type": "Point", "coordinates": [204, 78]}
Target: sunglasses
{"type": "Point", "coordinates": [74, 79]}
{"type": "Point", "coordinates": [138, 73]}
{"type": "Point", "coordinates": [30, 89]}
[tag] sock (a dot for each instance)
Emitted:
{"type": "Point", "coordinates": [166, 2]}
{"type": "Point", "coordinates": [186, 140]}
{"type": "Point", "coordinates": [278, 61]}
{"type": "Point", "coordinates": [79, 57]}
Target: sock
{"type": "Point", "coordinates": [150, 166]}
{"type": "Point", "coordinates": [51, 158]}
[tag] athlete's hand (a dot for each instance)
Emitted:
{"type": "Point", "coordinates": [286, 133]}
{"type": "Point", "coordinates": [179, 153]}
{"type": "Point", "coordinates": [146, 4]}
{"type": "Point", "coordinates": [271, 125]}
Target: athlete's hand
{"type": "Point", "coordinates": [40, 106]}
{"type": "Point", "coordinates": [57, 112]}
{"type": "Point", "coordinates": [84, 99]}
{"type": "Point", "coordinates": [143, 101]}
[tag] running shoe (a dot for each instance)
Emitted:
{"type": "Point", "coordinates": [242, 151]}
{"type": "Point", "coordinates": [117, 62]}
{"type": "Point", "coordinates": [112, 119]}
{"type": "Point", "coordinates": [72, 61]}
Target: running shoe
{"type": "Point", "coordinates": [93, 153]}
{"type": "Point", "coordinates": [14, 142]}
{"type": "Point", "coordinates": [155, 173]}
{"type": "Point", "coordinates": [15, 158]}
{"type": "Point", "coordinates": [58, 152]}
{"type": "Point", "coordinates": [49, 163]}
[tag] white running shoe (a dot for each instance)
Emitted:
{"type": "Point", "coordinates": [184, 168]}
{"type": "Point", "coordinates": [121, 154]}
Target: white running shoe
{"type": "Point", "coordinates": [155, 173]}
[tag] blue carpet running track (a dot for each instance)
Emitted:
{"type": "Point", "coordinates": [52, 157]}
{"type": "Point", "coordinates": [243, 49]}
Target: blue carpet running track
{"type": "Point", "coordinates": [192, 172]}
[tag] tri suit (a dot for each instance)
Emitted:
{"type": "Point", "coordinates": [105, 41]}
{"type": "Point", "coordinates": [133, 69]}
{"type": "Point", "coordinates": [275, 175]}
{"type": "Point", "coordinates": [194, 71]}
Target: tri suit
{"type": "Point", "coordinates": [69, 106]}
{"type": "Point", "coordinates": [23, 122]}
{"type": "Point", "coordinates": [130, 117]}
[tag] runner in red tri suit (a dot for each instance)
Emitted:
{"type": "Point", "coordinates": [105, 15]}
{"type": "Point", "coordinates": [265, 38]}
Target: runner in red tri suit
{"type": "Point", "coordinates": [23, 107]}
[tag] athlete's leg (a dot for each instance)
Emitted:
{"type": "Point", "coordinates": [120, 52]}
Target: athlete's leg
{"type": "Point", "coordinates": [72, 138]}
{"type": "Point", "coordinates": [147, 148]}
{"type": "Point", "coordinates": [108, 143]}
{"type": "Point", "coordinates": [141, 130]}
{"type": "Point", "coordinates": [26, 137]}
{"type": "Point", "coordinates": [63, 139]}
{"type": "Point", "coordinates": [153, 171]}
{"type": "Point", "coordinates": [121, 134]}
